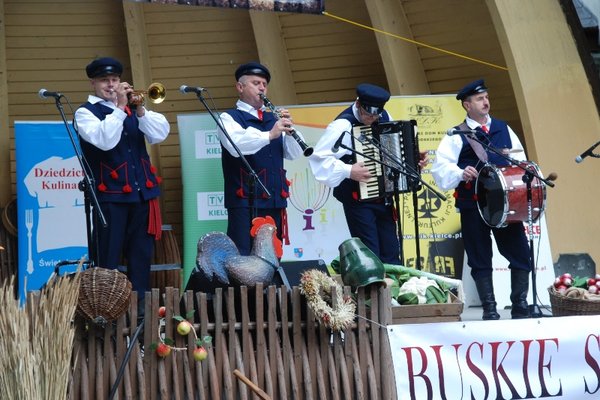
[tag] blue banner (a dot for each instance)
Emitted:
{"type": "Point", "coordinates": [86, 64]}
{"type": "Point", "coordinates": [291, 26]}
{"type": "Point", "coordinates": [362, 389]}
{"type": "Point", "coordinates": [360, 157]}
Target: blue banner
{"type": "Point", "coordinates": [51, 218]}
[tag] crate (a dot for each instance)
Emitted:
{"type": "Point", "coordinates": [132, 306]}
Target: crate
{"type": "Point", "coordinates": [424, 313]}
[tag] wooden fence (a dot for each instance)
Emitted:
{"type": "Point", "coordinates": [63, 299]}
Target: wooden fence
{"type": "Point", "coordinates": [268, 337]}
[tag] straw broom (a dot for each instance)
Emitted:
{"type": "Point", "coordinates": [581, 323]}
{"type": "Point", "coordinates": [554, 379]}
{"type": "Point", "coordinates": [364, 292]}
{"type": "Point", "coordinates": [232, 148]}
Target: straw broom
{"type": "Point", "coordinates": [37, 343]}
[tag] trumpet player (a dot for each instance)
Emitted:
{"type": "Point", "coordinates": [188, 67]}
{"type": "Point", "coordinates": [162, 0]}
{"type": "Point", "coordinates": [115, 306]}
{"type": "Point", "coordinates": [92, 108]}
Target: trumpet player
{"type": "Point", "coordinates": [113, 136]}
{"type": "Point", "coordinates": [264, 140]}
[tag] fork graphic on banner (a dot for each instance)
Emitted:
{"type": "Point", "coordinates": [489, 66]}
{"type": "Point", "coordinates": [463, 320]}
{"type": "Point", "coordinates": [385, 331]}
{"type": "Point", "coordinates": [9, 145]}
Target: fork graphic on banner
{"type": "Point", "coordinates": [29, 226]}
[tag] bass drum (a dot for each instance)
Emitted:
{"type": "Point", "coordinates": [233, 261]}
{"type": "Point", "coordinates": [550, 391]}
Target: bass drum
{"type": "Point", "coordinates": [502, 194]}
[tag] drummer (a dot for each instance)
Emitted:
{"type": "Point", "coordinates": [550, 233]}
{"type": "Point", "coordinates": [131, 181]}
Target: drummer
{"type": "Point", "coordinates": [456, 165]}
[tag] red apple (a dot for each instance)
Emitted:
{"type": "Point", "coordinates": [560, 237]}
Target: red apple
{"type": "Point", "coordinates": [593, 289]}
{"type": "Point", "coordinates": [163, 350]}
{"type": "Point", "coordinates": [591, 282]}
{"type": "Point", "coordinates": [561, 289]}
{"type": "Point", "coordinates": [162, 311]}
{"type": "Point", "coordinates": [557, 282]}
{"type": "Point", "coordinates": [184, 327]}
{"type": "Point", "coordinates": [200, 353]}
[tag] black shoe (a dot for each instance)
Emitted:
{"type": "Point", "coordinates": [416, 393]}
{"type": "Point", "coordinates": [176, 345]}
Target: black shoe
{"type": "Point", "coordinates": [485, 290]}
{"type": "Point", "coordinates": [519, 285]}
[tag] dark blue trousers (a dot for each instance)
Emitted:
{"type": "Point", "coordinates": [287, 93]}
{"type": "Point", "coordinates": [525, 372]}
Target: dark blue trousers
{"type": "Point", "coordinates": [373, 223]}
{"type": "Point", "coordinates": [511, 241]}
{"type": "Point", "coordinates": [239, 224]}
{"type": "Point", "coordinates": [126, 235]}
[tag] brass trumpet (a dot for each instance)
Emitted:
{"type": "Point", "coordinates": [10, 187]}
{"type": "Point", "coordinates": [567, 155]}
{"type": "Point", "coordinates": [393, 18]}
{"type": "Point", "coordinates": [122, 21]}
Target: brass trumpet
{"type": "Point", "coordinates": [156, 94]}
{"type": "Point", "coordinates": [306, 149]}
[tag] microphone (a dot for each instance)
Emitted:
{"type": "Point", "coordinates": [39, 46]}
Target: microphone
{"type": "Point", "coordinates": [586, 153]}
{"type": "Point", "coordinates": [453, 131]}
{"type": "Point", "coordinates": [191, 89]}
{"type": "Point", "coordinates": [45, 94]}
{"type": "Point", "coordinates": [338, 143]}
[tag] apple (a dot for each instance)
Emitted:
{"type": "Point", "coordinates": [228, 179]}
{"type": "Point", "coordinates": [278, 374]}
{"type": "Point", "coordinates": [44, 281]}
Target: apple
{"type": "Point", "coordinates": [200, 353]}
{"type": "Point", "coordinates": [591, 282]}
{"type": "Point", "coordinates": [162, 311]}
{"type": "Point", "coordinates": [561, 289]}
{"type": "Point", "coordinates": [184, 327]}
{"type": "Point", "coordinates": [593, 289]}
{"type": "Point", "coordinates": [566, 275]}
{"type": "Point", "coordinates": [568, 282]}
{"type": "Point", "coordinates": [557, 282]}
{"type": "Point", "coordinates": [163, 350]}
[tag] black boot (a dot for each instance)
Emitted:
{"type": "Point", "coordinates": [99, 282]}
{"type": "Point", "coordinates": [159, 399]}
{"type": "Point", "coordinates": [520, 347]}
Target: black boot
{"type": "Point", "coordinates": [519, 284]}
{"type": "Point", "coordinates": [485, 289]}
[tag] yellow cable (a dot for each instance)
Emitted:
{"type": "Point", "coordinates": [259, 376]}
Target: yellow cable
{"type": "Point", "coordinates": [414, 41]}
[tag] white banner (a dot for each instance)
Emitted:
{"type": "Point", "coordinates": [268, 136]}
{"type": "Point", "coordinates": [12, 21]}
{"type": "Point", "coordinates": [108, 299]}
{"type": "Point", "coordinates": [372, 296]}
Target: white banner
{"type": "Point", "coordinates": [506, 359]}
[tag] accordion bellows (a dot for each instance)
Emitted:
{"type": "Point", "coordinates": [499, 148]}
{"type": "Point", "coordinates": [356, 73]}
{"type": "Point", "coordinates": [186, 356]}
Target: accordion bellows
{"type": "Point", "coordinates": [104, 294]}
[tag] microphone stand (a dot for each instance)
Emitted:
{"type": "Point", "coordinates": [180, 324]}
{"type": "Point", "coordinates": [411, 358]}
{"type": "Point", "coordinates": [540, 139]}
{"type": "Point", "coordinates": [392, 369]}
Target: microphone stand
{"type": "Point", "coordinates": [528, 177]}
{"type": "Point", "coordinates": [86, 185]}
{"type": "Point", "coordinates": [253, 177]}
{"type": "Point", "coordinates": [396, 171]}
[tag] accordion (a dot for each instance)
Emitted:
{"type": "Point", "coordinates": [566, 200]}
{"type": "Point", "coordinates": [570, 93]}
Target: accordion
{"type": "Point", "coordinates": [393, 143]}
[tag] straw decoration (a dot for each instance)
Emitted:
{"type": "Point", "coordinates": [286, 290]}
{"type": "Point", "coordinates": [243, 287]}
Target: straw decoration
{"type": "Point", "coordinates": [37, 340]}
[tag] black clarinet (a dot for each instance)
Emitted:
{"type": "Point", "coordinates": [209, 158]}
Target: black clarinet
{"type": "Point", "coordinates": [306, 149]}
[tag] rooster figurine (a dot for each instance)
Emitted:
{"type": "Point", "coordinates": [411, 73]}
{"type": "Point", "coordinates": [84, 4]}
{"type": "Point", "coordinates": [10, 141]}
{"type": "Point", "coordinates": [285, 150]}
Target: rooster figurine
{"type": "Point", "coordinates": [218, 257]}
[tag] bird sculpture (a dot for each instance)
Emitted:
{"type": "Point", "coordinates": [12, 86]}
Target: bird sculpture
{"type": "Point", "coordinates": [218, 257]}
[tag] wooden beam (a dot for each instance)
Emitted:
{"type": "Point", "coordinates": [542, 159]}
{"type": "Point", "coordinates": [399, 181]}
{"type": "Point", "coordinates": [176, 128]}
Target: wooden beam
{"type": "Point", "coordinates": [401, 59]}
{"type": "Point", "coordinates": [273, 53]}
{"type": "Point", "coordinates": [558, 113]}
{"type": "Point", "coordinates": [5, 182]}
{"type": "Point", "coordinates": [139, 58]}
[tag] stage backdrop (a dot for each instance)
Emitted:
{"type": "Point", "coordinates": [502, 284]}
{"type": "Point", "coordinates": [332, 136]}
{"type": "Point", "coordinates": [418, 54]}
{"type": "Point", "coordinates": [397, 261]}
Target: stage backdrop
{"type": "Point", "coordinates": [316, 219]}
{"type": "Point", "coordinates": [51, 219]}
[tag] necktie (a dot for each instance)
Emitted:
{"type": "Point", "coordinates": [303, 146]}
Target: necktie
{"type": "Point", "coordinates": [260, 114]}
{"type": "Point", "coordinates": [485, 128]}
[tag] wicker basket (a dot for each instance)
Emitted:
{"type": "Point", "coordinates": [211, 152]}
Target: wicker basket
{"type": "Point", "coordinates": [104, 294]}
{"type": "Point", "coordinates": [564, 306]}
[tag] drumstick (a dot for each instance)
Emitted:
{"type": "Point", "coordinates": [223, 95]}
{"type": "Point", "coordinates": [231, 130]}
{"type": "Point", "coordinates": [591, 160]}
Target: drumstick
{"type": "Point", "coordinates": [552, 176]}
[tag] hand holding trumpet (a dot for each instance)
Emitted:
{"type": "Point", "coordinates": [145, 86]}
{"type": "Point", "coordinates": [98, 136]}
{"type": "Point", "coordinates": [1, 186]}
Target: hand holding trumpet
{"type": "Point", "coordinates": [121, 92]}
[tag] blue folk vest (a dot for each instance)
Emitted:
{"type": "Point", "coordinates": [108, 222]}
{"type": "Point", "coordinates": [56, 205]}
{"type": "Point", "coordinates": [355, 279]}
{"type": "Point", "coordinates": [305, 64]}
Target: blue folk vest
{"type": "Point", "coordinates": [499, 138]}
{"type": "Point", "coordinates": [124, 173]}
{"type": "Point", "coordinates": [347, 190]}
{"type": "Point", "coordinates": [267, 163]}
